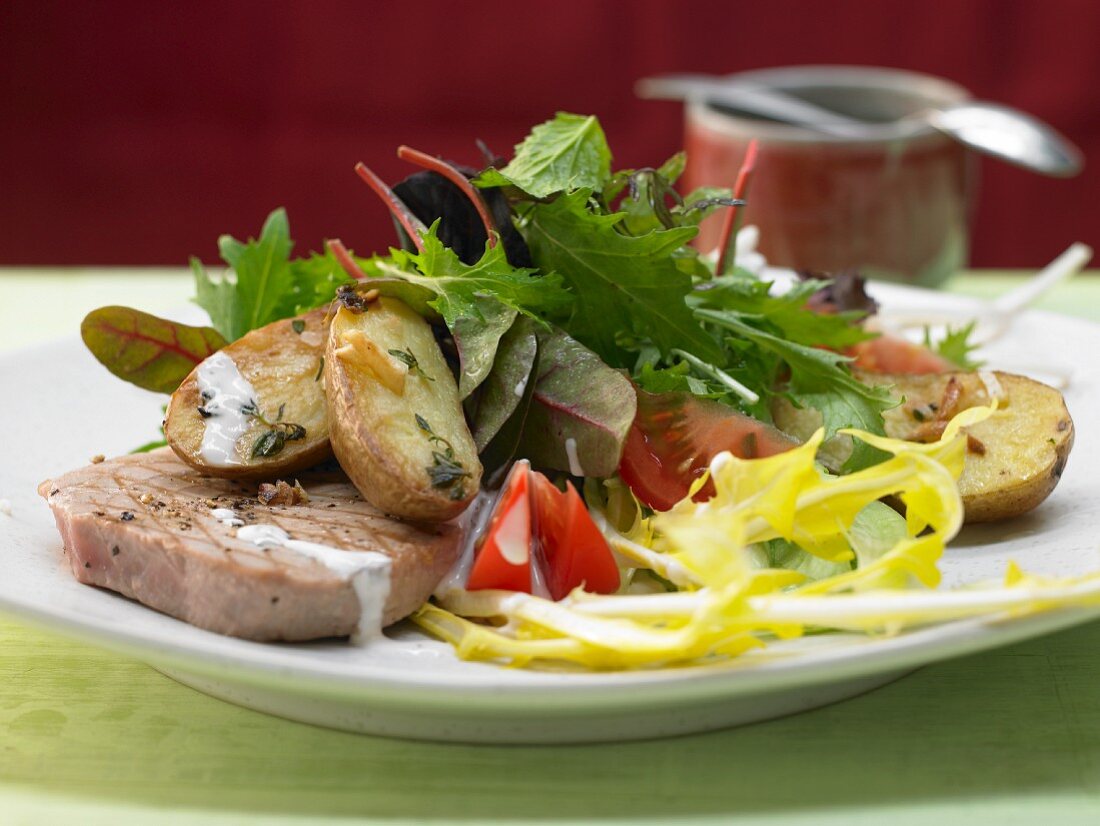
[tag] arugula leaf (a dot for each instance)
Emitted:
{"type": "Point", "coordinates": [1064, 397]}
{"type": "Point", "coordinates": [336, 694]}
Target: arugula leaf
{"type": "Point", "coordinates": [263, 272]}
{"type": "Point", "coordinates": [622, 284]}
{"type": "Point", "coordinates": [153, 353]}
{"type": "Point", "coordinates": [955, 346]}
{"type": "Point", "coordinates": [266, 285]}
{"type": "Point", "coordinates": [581, 410]}
{"type": "Point", "coordinates": [219, 299]}
{"type": "Point", "coordinates": [819, 379]}
{"type": "Point", "coordinates": [566, 153]}
{"type": "Point", "coordinates": [315, 281]}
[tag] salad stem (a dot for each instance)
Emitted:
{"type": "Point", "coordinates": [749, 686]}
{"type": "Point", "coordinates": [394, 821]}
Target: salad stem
{"type": "Point", "coordinates": [345, 259]}
{"type": "Point", "coordinates": [441, 167]}
{"type": "Point", "coordinates": [718, 375]}
{"type": "Point", "coordinates": [727, 241]}
{"type": "Point", "coordinates": [413, 225]}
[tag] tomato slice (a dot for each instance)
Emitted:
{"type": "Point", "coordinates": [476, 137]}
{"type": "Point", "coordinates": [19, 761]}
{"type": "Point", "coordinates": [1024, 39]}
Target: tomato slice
{"type": "Point", "coordinates": [893, 354]}
{"type": "Point", "coordinates": [504, 558]}
{"type": "Point", "coordinates": [675, 436]}
{"type": "Point", "coordinates": [539, 534]}
{"type": "Point", "coordinates": [574, 551]}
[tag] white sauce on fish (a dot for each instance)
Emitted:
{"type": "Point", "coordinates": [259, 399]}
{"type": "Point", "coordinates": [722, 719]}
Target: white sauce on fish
{"type": "Point", "coordinates": [368, 572]}
{"type": "Point", "coordinates": [571, 454]}
{"type": "Point", "coordinates": [226, 395]}
{"type": "Point", "coordinates": [227, 517]}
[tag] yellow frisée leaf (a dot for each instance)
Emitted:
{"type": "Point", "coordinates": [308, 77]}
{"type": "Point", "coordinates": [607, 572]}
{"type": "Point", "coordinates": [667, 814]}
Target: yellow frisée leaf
{"type": "Point", "coordinates": [727, 603]}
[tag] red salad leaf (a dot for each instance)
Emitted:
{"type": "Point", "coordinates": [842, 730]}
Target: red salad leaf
{"type": "Point", "coordinates": [151, 352]}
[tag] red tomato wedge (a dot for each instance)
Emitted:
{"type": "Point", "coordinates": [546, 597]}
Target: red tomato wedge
{"type": "Point", "coordinates": [572, 547]}
{"type": "Point", "coordinates": [892, 354]}
{"type": "Point", "coordinates": [675, 436]}
{"type": "Point", "coordinates": [540, 534]}
{"type": "Point", "coordinates": [504, 558]}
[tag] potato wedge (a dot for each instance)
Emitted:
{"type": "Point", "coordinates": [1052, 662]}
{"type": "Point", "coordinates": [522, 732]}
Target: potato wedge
{"type": "Point", "coordinates": [395, 420]}
{"type": "Point", "coordinates": [278, 368]}
{"type": "Point", "coordinates": [1014, 458]}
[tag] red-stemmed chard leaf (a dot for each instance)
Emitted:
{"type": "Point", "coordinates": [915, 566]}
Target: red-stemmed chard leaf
{"type": "Point", "coordinates": [455, 176]}
{"type": "Point", "coordinates": [153, 353]}
{"type": "Point", "coordinates": [728, 238]}
{"type": "Point", "coordinates": [400, 210]}
{"type": "Point", "coordinates": [581, 410]}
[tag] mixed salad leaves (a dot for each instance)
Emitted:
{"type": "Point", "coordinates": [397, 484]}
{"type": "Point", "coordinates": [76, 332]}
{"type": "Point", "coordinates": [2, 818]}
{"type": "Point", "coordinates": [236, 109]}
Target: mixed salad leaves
{"type": "Point", "coordinates": [590, 339]}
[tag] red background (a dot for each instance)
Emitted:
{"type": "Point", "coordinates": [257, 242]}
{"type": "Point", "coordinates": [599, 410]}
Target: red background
{"type": "Point", "coordinates": [136, 133]}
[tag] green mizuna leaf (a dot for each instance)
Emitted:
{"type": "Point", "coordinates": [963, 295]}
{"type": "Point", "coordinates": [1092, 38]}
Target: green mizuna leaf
{"type": "Point", "coordinates": [566, 153]}
{"type": "Point", "coordinates": [787, 312]}
{"type": "Point", "coordinates": [820, 379]}
{"type": "Point", "coordinates": [955, 346]}
{"type": "Point", "coordinates": [623, 285]}
{"type": "Point", "coordinates": [458, 287]}
{"type": "Point", "coordinates": [477, 302]}
{"type": "Point", "coordinates": [153, 353]}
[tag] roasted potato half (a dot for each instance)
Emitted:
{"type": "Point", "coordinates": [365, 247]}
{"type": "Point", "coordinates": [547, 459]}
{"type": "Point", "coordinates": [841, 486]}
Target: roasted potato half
{"type": "Point", "coordinates": [256, 409]}
{"type": "Point", "coordinates": [1014, 458]}
{"type": "Point", "coordinates": [395, 419]}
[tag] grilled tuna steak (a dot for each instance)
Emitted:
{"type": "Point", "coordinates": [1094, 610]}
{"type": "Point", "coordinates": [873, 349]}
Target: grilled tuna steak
{"type": "Point", "coordinates": [156, 530]}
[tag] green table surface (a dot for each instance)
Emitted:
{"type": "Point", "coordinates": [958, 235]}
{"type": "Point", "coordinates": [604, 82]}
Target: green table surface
{"type": "Point", "coordinates": [1009, 736]}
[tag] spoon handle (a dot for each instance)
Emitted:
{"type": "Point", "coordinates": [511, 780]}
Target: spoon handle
{"type": "Point", "coordinates": [759, 100]}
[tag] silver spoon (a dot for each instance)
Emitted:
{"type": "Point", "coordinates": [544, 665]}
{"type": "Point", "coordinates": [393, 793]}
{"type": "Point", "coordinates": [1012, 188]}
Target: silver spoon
{"type": "Point", "coordinates": [995, 130]}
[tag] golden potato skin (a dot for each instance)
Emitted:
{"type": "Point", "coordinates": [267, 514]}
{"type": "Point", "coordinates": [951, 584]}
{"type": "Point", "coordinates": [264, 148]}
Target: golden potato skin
{"type": "Point", "coordinates": [374, 430]}
{"type": "Point", "coordinates": [282, 366]}
{"type": "Point", "coordinates": [1026, 442]}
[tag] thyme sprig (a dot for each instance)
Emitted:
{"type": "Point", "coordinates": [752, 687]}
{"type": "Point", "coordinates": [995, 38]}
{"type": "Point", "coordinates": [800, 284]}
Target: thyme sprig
{"type": "Point", "coordinates": [445, 472]}
{"type": "Point", "coordinates": [278, 433]}
{"type": "Point", "coordinates": [407, 358]}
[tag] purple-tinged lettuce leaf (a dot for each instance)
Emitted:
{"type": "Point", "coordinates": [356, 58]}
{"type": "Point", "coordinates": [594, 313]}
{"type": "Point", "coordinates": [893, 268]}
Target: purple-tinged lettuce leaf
{"type": "Point", "coordinates": [581, 410]}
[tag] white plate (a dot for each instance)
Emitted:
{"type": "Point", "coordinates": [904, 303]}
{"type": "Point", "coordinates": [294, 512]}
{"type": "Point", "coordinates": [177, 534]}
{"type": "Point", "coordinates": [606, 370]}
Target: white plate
{"type": "Point", "coordinates": [61, 408]}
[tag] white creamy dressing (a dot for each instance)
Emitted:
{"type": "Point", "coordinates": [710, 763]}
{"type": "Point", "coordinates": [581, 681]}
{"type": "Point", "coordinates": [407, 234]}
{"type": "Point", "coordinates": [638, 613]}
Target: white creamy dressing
{"type": "Point", "coordinates": [571, 454]}
{"type": "Point", "coordinates": [368, 572]}
{"type": "Point", "coordinates": [521, 386]}
{"type": "Point", "coordinates": [224, 392]}
{"type": "Point", "coordinates": [513, 533]}
{"type": "Point", "coordinates": [227, 517]}
{"type": "Point", "coordinates": [474, 522]}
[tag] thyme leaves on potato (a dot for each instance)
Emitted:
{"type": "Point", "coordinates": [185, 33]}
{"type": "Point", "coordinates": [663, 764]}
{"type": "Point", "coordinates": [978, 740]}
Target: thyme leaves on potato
{"type": "Point", "coordinates": [445, 472]}
{"type": "Point", "coordinates": [407, 358]}
{"type": "Point", "coordinates": [278, 433]}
